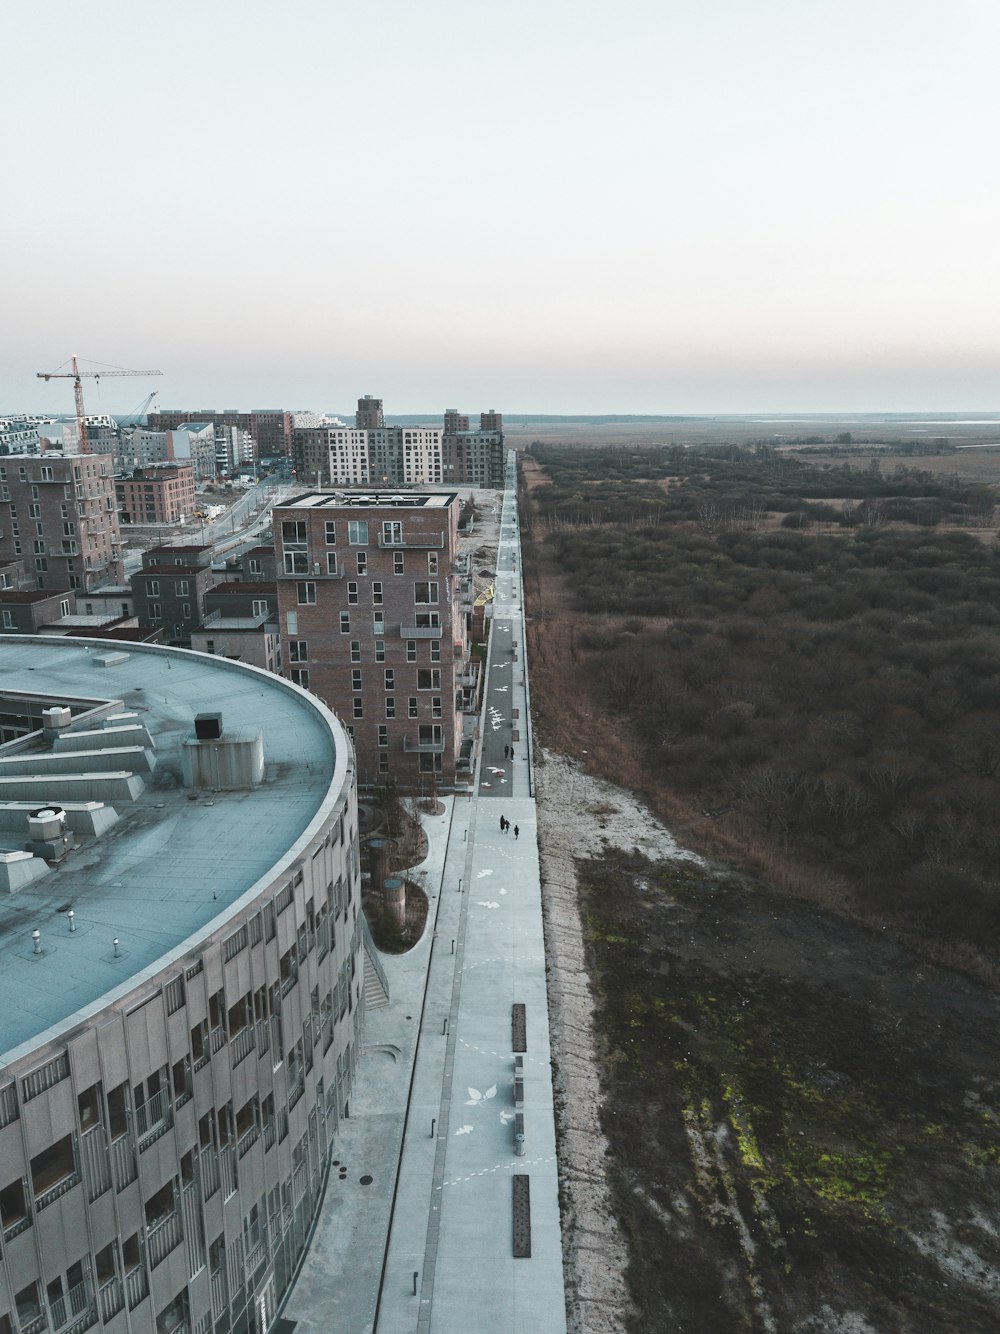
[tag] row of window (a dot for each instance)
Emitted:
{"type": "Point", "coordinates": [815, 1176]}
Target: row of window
{"type": "Point", "coordinates": [295, 533]}
{"type": "Point", "coordinates": [298, 649]}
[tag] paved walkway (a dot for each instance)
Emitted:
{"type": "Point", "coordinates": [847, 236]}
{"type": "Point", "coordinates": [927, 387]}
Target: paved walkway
{"type": "Point", "coordinates": [435, 1092]}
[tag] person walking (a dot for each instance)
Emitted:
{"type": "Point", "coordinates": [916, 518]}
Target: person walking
{"type": "Point", "coordinates": [516, 831]}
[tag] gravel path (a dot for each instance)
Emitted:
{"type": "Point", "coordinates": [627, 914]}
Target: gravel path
{"type": "Point", "coordinates": [577, 817]}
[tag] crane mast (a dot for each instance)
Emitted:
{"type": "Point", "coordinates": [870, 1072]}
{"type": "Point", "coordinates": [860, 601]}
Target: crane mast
{"type": "Point", "coordinates": [77, 375]}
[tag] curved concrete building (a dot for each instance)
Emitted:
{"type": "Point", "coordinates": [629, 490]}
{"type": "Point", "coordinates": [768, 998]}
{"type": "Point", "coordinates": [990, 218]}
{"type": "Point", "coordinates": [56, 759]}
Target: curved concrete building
{"type": "Point", "coordinates": [181, 968]}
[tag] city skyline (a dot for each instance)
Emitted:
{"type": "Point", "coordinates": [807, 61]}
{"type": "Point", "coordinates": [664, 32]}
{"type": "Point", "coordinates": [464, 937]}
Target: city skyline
{"type": "Point", "coordinates": [708, 210]}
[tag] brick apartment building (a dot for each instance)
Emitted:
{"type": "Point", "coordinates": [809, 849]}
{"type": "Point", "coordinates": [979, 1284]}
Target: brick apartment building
{"type": "Point", "coordinates": [270, 428]}
{"type": "Point", "coordinates": [59, 515]}
{"type": "Point", "coordinates": [169, 591]}
{"type": "Point", "coordinates": [372, 622]}
{"type": "Point", "coordinates": [473, 458]}
{"type": "Point", "coordinates": [24, 612]}
{"type": "Point", "coordinates": [158, 493]}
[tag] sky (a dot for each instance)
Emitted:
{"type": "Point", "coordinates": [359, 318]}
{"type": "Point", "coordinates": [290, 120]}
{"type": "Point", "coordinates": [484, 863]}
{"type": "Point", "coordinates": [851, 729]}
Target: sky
{"type": "Point", "coordinates": [654, 206]}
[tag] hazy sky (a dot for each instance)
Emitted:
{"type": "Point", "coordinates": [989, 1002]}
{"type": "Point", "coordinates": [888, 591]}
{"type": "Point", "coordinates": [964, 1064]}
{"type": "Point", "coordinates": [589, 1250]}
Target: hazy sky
{"type": "Point", "coordinates": [646, 206]}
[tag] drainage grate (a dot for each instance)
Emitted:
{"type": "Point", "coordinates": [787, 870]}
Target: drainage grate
{"type": "Point", "coordinates": [518, 1027]}
{"type": "Point", "coordinates": [522, 1217]}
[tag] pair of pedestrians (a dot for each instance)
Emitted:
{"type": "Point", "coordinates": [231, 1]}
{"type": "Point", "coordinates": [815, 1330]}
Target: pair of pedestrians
{"type": "Point", "coordinates": [505, 825]}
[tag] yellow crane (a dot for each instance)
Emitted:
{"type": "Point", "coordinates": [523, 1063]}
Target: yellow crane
{"type": "Point", "coordinates": [77, 376]}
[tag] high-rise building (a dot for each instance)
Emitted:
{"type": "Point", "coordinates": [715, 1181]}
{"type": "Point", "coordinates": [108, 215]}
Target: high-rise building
{"type": "Point", "coordinates": [182, 960]}
{"type": "Point", "coordinates": [59, 514]}
{"type": "Point", "coordinates": [473, 458]}
{"type": "Point", "coordinates": [372, 621]}
{"type": "Point", "coordinates": [359, 456]}
{"type": "Point", "coordinates": [369, 416]}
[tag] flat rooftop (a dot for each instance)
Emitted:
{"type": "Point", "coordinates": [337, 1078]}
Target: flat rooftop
{"type": "Point", "coordinates": [178, 859]}
{"type": "Point", "coordinates": [425, 500]}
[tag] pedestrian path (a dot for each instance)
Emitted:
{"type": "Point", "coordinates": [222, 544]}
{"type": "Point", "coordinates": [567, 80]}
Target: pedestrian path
{"type": "Point", "coordinates": [436, 1091]}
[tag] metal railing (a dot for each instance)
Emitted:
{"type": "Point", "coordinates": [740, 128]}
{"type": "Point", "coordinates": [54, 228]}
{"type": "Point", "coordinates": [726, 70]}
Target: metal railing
{"type": "Point", "coordinates": [123, 1159]}
{"type": "Point", "coordinates": [162, 1237]}
{"type": "Point", "coordinates": [229, 1177]}
{"type": "Point", "coordinates": [151, 1116]}
{"type": "Point", "coordinates": [53, 1193]}
{"type": "Point", "coordinates": [111, 1297]}
{"type": "Point", "coordinates": [136, 1286]}
{"type": "Point", "coordinates": [242, 1044]}
{"type": "Point", "coordinates": [96, 1164]}
{"type": "Point", "coordinates": [421, 632]}
{"type": "Point", "coordinates": [208, 1171]}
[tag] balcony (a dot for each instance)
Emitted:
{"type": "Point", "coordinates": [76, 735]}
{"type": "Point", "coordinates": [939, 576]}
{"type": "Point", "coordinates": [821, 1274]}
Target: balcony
{"type": "Point", "coordinates": [420, 541]}
{"type": "Point", "coordinates": [424, 747]}
{"type": "Point", "coordinates": [242, 1044]}
{"type": "Point", "coordinates": [153, 1117]}
{"type": "Point", "coordinates": [162, 1237]}
{"type": "Point", "coordinates": [421, 632]}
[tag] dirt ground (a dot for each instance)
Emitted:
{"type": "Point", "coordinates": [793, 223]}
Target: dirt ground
{"type": "Point", "coordinates": [770, 1119]}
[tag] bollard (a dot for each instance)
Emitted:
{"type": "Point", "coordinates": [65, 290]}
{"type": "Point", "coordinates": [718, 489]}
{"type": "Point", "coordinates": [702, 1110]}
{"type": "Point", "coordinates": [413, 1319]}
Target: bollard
{"type": "Point", "coordinates": [117, 950]}
{"type": "Point", "coordinates": [444, 1026]}
{"type": "Point", "coordinates": [459, 886]}
{"type": "Point", "coordinates": [433, 1125]}
{"type": "Point", "coordinates": [36, 942]}
{"type": "Point", "coordinates": [453, 947]}
{"type": "Point", "coordinates": [416, 1275]}
{"type": "Point", "coordinates": [71, 918]}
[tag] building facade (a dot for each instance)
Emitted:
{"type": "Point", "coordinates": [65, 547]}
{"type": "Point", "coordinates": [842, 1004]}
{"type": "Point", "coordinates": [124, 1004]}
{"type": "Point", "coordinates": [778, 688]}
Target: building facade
{"type": "Point", "coordinates": [59, 514]}
{"type": "Point", "coordinates": [157, 493]}
{"type": "Point", "coordinates": [171, 1095]}
{"type": "Point", "coordinates": [168, 593]}
{"type": "Point", "coordinates": [372, 622]}
{"type": "Point", "coordinates": [473, 458]}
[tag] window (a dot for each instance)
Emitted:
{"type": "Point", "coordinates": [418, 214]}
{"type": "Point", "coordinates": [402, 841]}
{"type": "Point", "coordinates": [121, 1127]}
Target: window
{"type": "Point", "coordinates": [153, 588]}
{"type": "Point", "coordinates": [435, 650]}
{"type": "Point", "coordinates": [380, 650]}
{"type": "Point", "coordinates": [255, 566]}
{"type": "Point", "coordinates": [429, 678]}
{"type": "Point", "coordinates": [390, 706]}
{"type": "Point", "coordinates": [357, 532]}
{"type": "Point", "coordinates": [411, 707]}
{"type": "Point", "coordinates": [345, 623]}
{"type": "Point", "coordinates": [186, 610]}
{"type": "Point", "coordinates": [155, 610]}
{"type": "Point", "coordinates": [436, 707]}
{"type": "Point", "coordinates": [377, 593]}
{"type": "Point", "coordinates": [392, 533]}
{"type": "Point", "coordinates": [46, 474]}
{"type": "Point", "coordinates": [259, 606]}
{"type": "Point", "coordinates": [69, 530]}
{"type": "Point", "coordinates": [432, 562]}
{"type": "Point", "coordinates": [428, 620]}
{"type": "Point", "coordinates": [355, 650]}
{"type": "Point", "coordinates": [293, 533]}
{"type": "Point", "coordinates": [292, 622]}
{"type": "Point", "coordinates": [8, 620]}
{"type": "Point", "coordinates": [429, 734]}
{"type": "Point", "coordinates": [425, 592]}
{"type": "Point", "coordinates": [298, 650]}
{"type": "Point", "coordinates": [34, 511]}
{"type": "Point", "coordinates": [390, 679]}
{"type": "Point", "coordinates": [352, 594]}
{"type": "Point", "coordinates": [331, 562]}
{"type": "Point", "coordinates": [378, 622]}
{"type": "Point", "coordinates": [305, 594]}
{"type": "Point", "coordinates": [359, 708]}
{"type": "Point", "coordinates": [383, 762]}
{"type": "Point", "coordinates": [355, 678]}
{"type": "Point", "coordinates": [296, 562]}
{"type": "Point", "coordinates": [411, 650]}
{"type": "Point", "coordinates": [383, 734]}
{"type": "Point", "coordinates": [300, 675]}
{"type": "Point", "coordinates": [397, 562]}
{"type": "Point", "coordinates": [331, 533]}
{"type": "Point", "coordinates": [362, 562]}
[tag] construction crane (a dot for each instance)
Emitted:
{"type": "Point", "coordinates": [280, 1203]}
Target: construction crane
{"type": "Point", "coordinates": [77, 376]}
{"type": "Point", "coordinates": [140, 412]}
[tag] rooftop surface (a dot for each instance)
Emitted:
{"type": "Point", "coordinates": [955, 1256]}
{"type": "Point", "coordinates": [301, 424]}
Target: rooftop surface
{"type": "Point", "coordinates": [177, 860]}
{"type": "Point", "coordinates": [426, 500]}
